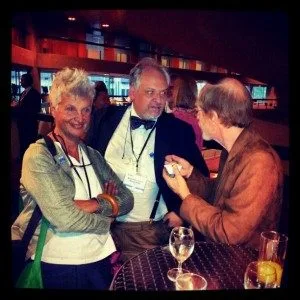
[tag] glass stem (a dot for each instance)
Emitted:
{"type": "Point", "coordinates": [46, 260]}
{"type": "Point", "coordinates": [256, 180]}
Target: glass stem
{"type": "Point", "coordinates": [179, 267]}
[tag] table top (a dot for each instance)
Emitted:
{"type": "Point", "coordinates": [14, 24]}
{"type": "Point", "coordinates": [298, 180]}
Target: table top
{"type": "Point", "coordinates": [222, 265]}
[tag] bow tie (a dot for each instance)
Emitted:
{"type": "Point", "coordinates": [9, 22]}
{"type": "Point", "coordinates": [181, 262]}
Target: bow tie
{"type": "Point", "coordinates": [136, 122]}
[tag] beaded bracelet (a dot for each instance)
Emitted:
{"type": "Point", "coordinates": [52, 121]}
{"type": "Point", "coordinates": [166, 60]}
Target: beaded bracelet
{"type": "Point", "coordinates": [112, 200]}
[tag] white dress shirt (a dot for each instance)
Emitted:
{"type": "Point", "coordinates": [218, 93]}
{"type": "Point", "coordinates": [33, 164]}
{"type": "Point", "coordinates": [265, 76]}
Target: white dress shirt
{"type": "Point", "coordinates": [120, 157]}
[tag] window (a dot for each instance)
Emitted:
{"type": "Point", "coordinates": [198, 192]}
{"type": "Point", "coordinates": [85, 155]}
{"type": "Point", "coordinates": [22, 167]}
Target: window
{"type": "Point", "coordinates": [259, 92]}
{"type": "Point", "coordinates": [117, 86]}
{"type": "Point", "coordinates": [183, 64]}
{"type": "Point", "coordinates": [94, 51]}
{"type": "Point", "coordinates": [198, 65]}
{"type": "Point", "coordinates": [46, 80]}
{"type": "Point", "coordinates": [16, 88]}
{"type": "Point", "coordinates": [122, 57]}
{"type": "Point", "coordinates": [200, 85]}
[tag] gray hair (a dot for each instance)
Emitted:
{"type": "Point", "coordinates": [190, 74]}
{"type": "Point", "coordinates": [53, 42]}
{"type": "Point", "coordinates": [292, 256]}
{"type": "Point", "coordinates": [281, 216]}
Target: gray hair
{"type": "Point", "coordinates": [70, 81]}
{"type": "Point", "coordinates": [142, 65]}
{"type": "Point", "coordinates": [230, 99]}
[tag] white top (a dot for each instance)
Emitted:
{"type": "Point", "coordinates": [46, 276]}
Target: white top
{"type": "Point", "coordinates": [73, 248]}
{"type": "Point", "coordinates": [121, 159]}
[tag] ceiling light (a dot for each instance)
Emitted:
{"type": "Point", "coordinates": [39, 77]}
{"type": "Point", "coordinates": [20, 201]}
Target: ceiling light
{"type": "Point", "coordinates": [72, 19]}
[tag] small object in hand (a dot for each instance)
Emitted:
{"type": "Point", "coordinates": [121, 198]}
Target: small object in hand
{"type": "Point", "coordinates": [169, 169]}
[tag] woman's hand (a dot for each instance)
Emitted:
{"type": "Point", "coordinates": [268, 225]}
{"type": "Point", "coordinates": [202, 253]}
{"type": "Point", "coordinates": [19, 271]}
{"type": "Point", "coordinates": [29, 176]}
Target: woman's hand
{"type": "Point", "coordinates": [186, 169]}
{"type": "Point", "coordinates": [177, 183]}
{"type": "Point", "coordinates": [110, 188]}
{"type": "Point", "coordinates": [91, 206]}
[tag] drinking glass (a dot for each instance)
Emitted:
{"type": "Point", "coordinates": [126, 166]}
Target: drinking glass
{"type": "Point", "coordinates": [181, 245]}
{"type": "Point", "coordinates": [272, 249]}
{"type": "Point", "coordinates": [190, 281]}
{"type": "Point", "coordinates": [260, 275]}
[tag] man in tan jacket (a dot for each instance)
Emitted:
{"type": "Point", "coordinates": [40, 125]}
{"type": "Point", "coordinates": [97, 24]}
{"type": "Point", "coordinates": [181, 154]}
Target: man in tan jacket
{"type": "Point", "coordinates": [245, 198]}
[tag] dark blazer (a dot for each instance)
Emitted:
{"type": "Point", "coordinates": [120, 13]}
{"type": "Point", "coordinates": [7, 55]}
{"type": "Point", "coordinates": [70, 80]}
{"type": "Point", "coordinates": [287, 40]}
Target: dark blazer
{"type": "Point", "coordinates": [26, 115]}
{"type": "Point", "coordinates": [173, 136]}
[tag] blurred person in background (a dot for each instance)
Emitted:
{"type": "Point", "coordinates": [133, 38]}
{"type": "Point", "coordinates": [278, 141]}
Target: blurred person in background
{"type": "Point", "coordinates": [184, 94]}
{"type": "Point", "coordinates": [170, 102]}
{"type": "Point", "coordinates": [25, 113]}
{"type": "Point", "coordinates": [101, 98]}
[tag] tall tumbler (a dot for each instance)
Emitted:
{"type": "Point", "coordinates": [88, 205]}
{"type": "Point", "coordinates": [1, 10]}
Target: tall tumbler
{"type": "Point", "coordinates": [272, 250]}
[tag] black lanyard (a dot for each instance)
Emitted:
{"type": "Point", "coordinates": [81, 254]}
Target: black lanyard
{"type": "Point", "coordinates": [72, 165]}
{"type": "Point", "coordinates": [143, 148]}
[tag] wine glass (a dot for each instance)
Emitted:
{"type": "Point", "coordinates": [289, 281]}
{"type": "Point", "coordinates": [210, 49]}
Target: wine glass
{"type": "Point", "coordinates": [260, 275]}
{"type": "Point", "coordinates": [181, 244]}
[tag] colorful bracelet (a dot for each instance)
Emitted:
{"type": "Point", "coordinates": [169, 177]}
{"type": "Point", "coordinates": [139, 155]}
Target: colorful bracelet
{"type": "Point", "coordinates": [112, 200]}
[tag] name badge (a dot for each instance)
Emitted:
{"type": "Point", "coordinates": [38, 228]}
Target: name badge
{"type": "Point", "coordinates": [135, 183]}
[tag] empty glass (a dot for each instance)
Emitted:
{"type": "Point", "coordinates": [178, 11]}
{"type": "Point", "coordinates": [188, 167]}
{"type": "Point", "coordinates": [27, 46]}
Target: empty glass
{"type": "Point", "coordinates": [190, 281]}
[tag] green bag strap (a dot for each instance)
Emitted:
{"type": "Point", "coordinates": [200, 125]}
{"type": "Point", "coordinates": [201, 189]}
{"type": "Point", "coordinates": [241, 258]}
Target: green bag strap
{"type": "Point", "coordinates": [41, 242]}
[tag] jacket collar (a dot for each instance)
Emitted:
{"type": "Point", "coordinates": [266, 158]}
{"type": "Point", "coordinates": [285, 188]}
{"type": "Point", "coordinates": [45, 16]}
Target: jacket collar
{"type": "Point", "coordinates": [241, 142]}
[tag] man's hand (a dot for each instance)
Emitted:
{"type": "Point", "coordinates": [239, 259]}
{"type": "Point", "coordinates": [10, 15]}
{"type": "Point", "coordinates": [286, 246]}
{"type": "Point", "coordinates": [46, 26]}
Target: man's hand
{"type": "Point", "coordinates": [173, 219]}
{"type": "Point", "coordinates": [177, 184]}
{"type": "Point", "coordinates": [186, 169]}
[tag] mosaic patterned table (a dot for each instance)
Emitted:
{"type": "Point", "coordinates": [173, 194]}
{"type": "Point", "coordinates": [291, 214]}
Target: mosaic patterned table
{"type": "Point", "coordinates": [222, 265]}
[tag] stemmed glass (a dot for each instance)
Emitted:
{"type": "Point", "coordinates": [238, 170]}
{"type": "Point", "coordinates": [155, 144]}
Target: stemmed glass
{"type": "Point", "coordinates": [181, 244]}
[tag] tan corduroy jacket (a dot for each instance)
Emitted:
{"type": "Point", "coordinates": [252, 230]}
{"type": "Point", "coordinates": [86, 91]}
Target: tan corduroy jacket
{"type": "Point", "coordinates": [245, 198]}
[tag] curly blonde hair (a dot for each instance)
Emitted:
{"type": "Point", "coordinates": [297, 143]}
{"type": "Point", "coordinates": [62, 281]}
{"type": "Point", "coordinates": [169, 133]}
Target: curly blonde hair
{"type": "Point", "coordinates": [70, 81]}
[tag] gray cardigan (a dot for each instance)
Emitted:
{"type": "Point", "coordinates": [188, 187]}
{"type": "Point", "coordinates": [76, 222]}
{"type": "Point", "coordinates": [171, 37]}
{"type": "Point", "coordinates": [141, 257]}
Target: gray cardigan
{"type": "Point", "coordinates": [48, 182]}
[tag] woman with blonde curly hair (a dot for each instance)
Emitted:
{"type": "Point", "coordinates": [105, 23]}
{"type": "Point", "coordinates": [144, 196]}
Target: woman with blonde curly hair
{"type": "Point", "coordinates": [71, 190]}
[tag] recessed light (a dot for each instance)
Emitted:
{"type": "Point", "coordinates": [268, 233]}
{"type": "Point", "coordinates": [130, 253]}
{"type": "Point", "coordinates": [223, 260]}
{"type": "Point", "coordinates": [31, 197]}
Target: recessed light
{"type": "Point", "coordinates": [72, 19]}
{"type": "Point", "coordinates": [105, 25]}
